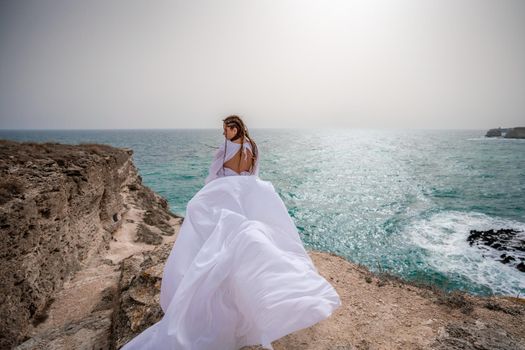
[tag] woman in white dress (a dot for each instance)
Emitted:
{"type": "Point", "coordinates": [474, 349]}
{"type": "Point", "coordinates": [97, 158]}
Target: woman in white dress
{"type": "Point", "coordinates": [238, 273]}
{"type": "Point", "coordinates": [233, 162]}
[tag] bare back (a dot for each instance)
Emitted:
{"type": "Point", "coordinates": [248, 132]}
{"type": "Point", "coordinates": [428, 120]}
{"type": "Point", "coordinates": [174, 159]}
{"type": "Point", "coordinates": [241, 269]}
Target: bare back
{"type": "Point", "coordinates": [238, 163]}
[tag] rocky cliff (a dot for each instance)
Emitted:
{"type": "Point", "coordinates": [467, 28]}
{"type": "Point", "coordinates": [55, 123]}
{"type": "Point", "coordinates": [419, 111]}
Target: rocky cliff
{"type": "Point", "coordinates": [62, 209]}
{"type": "Point", "coordinates": [84, 245]}
{"type": "Point", "coordinates": [516, 133]}
{"type": "Point", "coordinates": [508, 133]}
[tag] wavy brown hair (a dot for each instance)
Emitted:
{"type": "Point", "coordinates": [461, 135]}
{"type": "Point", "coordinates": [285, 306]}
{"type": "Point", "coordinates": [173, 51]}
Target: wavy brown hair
{"type": "Point", "coordinates": [234, 121]}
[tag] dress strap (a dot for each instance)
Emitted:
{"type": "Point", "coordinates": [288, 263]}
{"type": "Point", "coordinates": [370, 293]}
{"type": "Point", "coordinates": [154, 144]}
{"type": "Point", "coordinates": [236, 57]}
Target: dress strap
{"type": "Point", "coordinates": [246, 146]}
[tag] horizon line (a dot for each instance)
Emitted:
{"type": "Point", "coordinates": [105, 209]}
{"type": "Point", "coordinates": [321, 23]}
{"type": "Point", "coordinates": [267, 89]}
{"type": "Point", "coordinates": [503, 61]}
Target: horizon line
{"type": "Point", "coordinates": [260, 128]}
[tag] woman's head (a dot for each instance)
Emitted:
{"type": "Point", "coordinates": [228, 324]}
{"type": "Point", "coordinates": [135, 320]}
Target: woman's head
{"type": "Point", "coordinates": [234, 128]}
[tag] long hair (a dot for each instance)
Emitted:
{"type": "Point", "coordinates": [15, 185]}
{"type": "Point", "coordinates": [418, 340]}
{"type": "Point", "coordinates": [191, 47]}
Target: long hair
{"type": "Point", "coordinates": [234, 121]}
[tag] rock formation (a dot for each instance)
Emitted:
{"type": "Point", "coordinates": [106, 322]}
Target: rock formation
{"type": "Point", "coordinates": [504, 245]}
{"type": "Point", "coordinates": [493, 133]}
{"type": "Point", "coordinates": [516, 133]}
{"type": "Point", "coordinates": [61, 207]}
{"type": "Point", "coordinates": [508, 133]}
{"type": "Point", "coordinates": [85, 242]}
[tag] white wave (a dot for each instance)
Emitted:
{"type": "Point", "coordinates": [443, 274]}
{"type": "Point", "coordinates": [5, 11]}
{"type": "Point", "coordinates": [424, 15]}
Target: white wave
{"type": "Point", "coordinates": [483, 138]}
{"type": "Point", "coordinates": [444, 237]}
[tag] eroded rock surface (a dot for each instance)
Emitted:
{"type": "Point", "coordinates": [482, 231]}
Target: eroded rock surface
{"type": "Point", "coordinates": [139, 286]}
{"type": "Point", "coordinates": [60, 208]}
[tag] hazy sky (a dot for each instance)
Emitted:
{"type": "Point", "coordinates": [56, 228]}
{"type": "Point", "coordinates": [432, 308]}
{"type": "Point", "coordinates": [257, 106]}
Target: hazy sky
{"type": "Point", "coordinates": [187, 64]}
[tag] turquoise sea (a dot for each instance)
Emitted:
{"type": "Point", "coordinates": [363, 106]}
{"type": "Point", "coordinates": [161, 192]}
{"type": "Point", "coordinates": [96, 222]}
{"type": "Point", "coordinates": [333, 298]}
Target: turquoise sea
{"type": "Point", "coordinates": [397, 200]}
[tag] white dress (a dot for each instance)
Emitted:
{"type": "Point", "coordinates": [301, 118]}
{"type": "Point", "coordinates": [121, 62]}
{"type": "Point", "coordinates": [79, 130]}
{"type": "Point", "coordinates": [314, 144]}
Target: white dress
{"type": "Point", "coordinates": [216, 168]}
{"type": "Point", "coordinates": [238, 273]}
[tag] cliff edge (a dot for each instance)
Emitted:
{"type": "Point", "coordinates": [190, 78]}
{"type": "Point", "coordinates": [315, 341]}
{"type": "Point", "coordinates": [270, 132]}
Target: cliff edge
{"type": "Point", "coordinates": [69, 215]}
{"type": "Point", "coordinates": [84, 245]}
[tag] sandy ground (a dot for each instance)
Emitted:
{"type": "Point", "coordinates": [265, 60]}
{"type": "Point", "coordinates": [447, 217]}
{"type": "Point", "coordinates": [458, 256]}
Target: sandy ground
{"type": "Point", "coordinates": [382, 313]}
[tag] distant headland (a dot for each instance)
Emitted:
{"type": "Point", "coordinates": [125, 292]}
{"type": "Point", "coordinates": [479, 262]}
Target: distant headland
{"type": "Point", "coordinates": [508, 133]}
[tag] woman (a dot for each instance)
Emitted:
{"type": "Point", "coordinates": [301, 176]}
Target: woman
{"type": "Point", "coordinates": [238, 273]}
{"type": "Point", "coordinates": [228, 160]}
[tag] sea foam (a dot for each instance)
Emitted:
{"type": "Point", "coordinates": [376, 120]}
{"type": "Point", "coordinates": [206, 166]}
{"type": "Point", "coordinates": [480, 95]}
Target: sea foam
{"type": "Point", "coordinates": [444, 238]}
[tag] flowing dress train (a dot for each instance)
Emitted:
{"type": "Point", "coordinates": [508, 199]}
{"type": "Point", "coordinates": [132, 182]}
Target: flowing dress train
{"type": "Point", "coordinates": [238, 273]}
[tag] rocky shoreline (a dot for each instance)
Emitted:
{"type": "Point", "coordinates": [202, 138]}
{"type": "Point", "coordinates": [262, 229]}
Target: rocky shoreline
{"type": "Point", "coordinates": [508, 133]}
{"type": "Point", "coordinates": [83, 249]}
{"type": "Point", "coordinates": [505, 245]}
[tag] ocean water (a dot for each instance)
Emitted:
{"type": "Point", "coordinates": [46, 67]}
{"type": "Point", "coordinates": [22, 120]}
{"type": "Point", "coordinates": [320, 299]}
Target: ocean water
{"type": "Point", "coordinates": [402, 201]}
